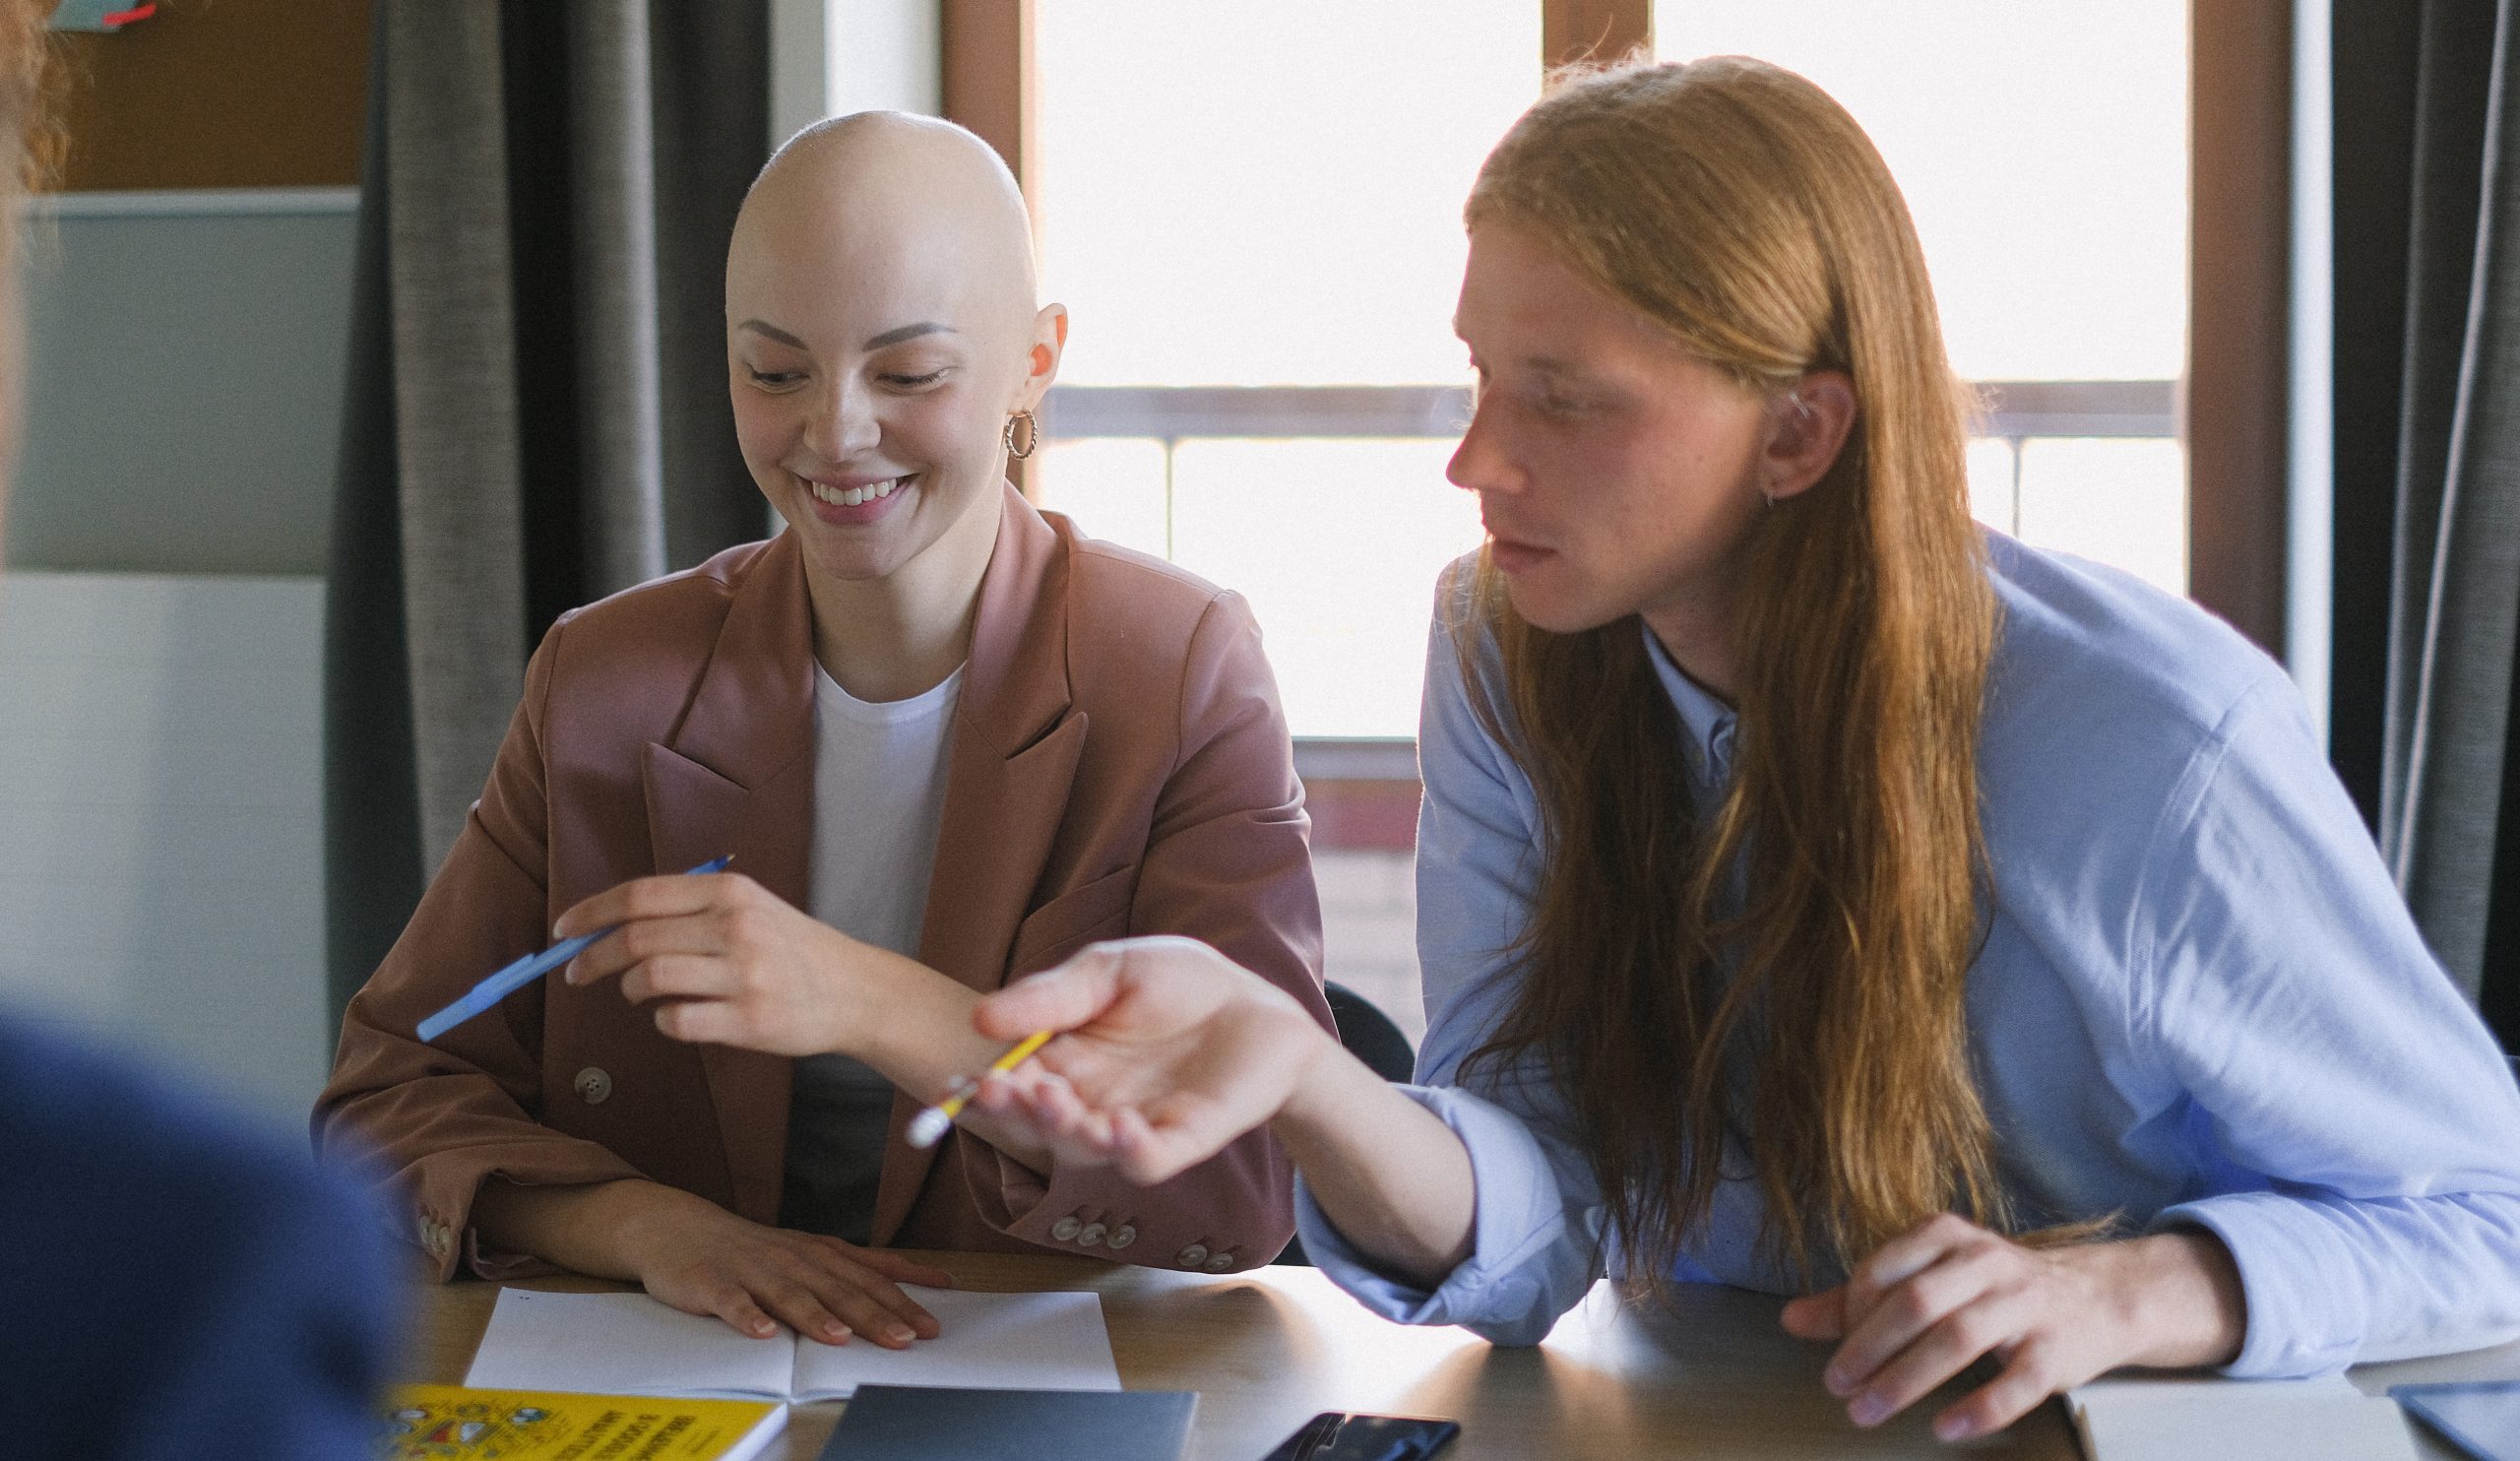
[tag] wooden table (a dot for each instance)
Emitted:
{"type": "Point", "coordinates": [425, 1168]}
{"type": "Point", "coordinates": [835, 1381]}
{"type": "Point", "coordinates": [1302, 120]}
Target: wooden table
{"type": "Point", "coordinates": [1267, 1350]}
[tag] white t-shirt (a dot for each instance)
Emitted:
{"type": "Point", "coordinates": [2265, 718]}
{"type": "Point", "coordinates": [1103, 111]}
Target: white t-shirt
{"type": "Point", "coordinates": [879, 792]}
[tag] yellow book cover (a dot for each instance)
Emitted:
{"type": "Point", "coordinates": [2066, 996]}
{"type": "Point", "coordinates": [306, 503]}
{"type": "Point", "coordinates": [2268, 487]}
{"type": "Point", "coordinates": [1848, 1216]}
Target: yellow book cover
{"type": "Point", "coordinates": [455, 1422]}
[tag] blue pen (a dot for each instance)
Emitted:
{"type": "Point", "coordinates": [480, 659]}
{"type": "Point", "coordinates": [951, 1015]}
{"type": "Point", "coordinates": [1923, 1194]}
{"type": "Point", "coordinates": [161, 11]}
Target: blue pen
{"type": "Point", "coordinates": [489, 992]}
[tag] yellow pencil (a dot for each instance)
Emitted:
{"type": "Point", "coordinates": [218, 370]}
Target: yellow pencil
{"type": "Point", "coordinates": [928, 1127]}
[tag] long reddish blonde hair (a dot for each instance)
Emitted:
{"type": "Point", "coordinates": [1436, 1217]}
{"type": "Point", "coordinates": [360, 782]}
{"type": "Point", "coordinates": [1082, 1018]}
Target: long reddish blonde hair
{"type": "Point", "coordinates": [1820, 1022]}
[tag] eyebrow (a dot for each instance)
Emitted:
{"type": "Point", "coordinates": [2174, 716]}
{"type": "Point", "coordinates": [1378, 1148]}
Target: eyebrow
{"type": "Point", "coordinates": [901, 332]}
{"type": "Point", "coordinates": [1552, 368]}
{"type": "Point", "coordinates": [894, 336]}
{"type": "Point", "coordinates": [774, 332]}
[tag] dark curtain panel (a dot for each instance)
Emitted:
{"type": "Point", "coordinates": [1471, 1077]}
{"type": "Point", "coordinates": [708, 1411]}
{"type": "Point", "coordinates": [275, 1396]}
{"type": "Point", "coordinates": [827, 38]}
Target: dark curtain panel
{"type": "Point", "coordinates": [536, 411]}
{"type": "Point", "coordinates": [2427, 468]}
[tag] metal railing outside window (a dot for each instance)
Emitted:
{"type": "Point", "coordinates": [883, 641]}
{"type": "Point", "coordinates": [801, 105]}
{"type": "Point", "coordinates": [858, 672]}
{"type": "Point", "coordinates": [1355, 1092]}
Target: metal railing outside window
{"type": "Point", "coordinates": [2016, 413]}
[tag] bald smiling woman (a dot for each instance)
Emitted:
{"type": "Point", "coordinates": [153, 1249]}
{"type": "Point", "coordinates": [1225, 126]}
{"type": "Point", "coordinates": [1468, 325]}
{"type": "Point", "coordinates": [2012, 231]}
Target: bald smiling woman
{"type": "Point", "coordinates": [947, 741]}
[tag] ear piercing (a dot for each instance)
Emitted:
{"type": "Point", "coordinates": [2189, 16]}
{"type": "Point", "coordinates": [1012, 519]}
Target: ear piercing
{"type": "Point", "coordinates": [1032, 435]}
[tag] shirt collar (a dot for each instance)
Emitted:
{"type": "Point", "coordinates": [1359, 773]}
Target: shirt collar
{"type": "Point", "coordinates": [1706, 721]}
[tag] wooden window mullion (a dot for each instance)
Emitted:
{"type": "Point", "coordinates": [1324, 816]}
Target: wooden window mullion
{"type": "Point", "coordinates": [992, 87]}
{"type": "Point", "coordinates": [2239, 229]}
{"type": "Point", "coordinates": [1573, 30]}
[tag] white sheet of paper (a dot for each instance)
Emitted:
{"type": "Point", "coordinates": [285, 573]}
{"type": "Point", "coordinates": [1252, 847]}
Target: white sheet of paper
{"type": "Point", "coordinates": [2211, 1419]}
{"type": "Point", "coordinates": [629, 1344]}
{"type": "Point", "coordinates": [994, 1341]}
{"type": "Point", "coordinates": [623, 1344]}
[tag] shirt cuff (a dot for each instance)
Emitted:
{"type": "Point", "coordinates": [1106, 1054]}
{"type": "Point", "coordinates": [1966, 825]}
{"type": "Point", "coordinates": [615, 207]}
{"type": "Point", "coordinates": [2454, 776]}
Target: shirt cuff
{"type": "Point", "coordinates": [498, 1265]}
{"type": "Point", "coordinates": [1502, 1290]}
{"type": "Point", "coordinates": [2283, 1268]}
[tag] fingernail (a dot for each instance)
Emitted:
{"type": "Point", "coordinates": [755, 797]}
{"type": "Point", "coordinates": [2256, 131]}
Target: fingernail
{"type": "Point", "coordinates": [900, 1334]}
{"type": "Point", "coordinates": [1868, 1410]}
{"type": "Point", "coordinates": [1954, 1428]}
{"type": "Point", "coordinates": [836, 1333]}
{"type": "Point", "coordinates": [1837, 1382]}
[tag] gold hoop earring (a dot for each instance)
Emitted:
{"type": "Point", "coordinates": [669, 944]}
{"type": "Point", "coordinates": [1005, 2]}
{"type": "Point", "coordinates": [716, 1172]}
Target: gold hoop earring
{"type": "Point", "coordinates": [1032, 435]}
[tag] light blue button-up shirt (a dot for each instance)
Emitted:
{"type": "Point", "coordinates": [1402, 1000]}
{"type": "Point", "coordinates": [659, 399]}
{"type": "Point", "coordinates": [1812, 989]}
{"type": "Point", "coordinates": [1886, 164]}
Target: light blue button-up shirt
{"type": "Point", "coordinates": [2201, 1000]}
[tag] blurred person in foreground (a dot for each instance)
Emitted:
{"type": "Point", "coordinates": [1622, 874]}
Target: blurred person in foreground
{"type": "Point", "coordinates": [173, 1281]}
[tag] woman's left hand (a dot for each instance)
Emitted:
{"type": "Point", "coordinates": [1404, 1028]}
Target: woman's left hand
{"type": "Point", "coordinates": [730, 962]}
{"type": "Point", "coordinates": [1934, 1301]}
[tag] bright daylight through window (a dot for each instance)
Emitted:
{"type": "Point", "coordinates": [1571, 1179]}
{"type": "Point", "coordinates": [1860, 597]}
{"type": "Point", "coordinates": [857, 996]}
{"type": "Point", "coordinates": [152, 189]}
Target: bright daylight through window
{"type": "Point", "coordinates": [1266, 198]}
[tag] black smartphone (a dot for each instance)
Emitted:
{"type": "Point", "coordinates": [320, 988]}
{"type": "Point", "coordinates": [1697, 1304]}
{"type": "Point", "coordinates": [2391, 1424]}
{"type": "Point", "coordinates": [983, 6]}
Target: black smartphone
{"type": "Point", "coordinates": [1335, 1436]}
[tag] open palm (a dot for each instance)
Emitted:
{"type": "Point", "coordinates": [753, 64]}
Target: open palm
{"type": "Point", "coordinates": [1167, 1051]}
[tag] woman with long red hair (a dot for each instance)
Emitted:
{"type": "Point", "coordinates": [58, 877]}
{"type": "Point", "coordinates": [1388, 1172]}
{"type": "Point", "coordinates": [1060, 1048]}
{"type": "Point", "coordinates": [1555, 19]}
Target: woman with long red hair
{"type": "Point", "coordinates": [1817, 893]}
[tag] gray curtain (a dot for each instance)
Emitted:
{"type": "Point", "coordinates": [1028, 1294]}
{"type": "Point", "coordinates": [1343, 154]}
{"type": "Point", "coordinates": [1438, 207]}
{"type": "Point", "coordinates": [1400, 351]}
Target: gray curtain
{"type": "Point", "coordinates": [2429, 146]}
{"type": "Point", "coordinates": [537, 412]}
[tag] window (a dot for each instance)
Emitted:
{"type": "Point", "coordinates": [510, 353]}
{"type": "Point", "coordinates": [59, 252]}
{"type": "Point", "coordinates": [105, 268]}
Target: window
{"type": "Point", "coordinates": [1261, 294]}
{"type": "Point", "coordinates": [2043, 150]}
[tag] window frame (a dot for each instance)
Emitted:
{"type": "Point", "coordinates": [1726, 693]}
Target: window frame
{"type": "Point", "coordinates": [2231, 404]}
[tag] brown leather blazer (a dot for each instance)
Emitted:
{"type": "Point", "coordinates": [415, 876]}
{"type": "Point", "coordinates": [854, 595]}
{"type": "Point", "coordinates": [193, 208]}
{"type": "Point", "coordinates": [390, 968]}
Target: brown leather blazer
{"type": "Point", "coordinates": [1119, 765]}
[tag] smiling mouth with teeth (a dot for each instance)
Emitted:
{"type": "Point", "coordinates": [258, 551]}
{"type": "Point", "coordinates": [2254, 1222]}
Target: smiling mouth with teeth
{"type": "Point", "coordinates": [852, 497]}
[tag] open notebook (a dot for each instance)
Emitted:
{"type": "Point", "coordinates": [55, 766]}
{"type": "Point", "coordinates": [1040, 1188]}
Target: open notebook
{"type": "Point", "coordinates": [629, 1344]}
{"type": "Point", "coordinates": [2168, 1418]}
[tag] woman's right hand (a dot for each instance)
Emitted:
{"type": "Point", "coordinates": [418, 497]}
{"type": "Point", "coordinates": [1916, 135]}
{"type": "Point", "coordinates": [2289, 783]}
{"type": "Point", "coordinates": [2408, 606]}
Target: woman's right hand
{"type": "Point", "coordinates": [695, 1255]}
{"type": "Point", "coordinates": [1167, 1051]}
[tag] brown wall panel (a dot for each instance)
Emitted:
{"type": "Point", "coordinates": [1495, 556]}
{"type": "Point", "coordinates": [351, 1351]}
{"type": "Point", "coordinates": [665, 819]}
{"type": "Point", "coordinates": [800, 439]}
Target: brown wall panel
{"type": "Point", "coordinates": [219, 94]}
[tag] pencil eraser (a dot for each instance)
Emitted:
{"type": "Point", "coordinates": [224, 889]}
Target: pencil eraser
{"type": "Point", "coordinates": [928, 1127]}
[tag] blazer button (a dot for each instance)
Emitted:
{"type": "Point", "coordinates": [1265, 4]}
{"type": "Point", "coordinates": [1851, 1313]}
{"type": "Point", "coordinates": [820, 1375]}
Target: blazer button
{"type": "Point", "coordinates": [1221, 1264]}
{"type": "Point", "coordinates": [1090, 1233]}
{"type": "Point", "coordinates": [593, 1086]}
{"type": "Point", "coordinates": [1122, 1235]}
{"type": "Point", "coordinates": [1065, 1228]}
{"type": "Point", "coordinates": [1191, 1256]}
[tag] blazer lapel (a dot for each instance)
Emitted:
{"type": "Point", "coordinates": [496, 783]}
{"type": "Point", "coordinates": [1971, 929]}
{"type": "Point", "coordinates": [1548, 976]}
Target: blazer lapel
{"type": "Point", "coordinates": [736, 778]}
{"type": "Point", "coordinates": [1015, 750]}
